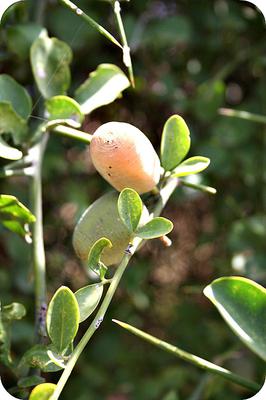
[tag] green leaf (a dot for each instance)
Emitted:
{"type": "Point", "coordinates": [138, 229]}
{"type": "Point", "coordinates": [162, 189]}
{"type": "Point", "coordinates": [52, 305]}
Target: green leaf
{"type": "Point", "coordinates": [42, 391]}
{"type": "Point", "coordinates": [175, 142]}
{"type": "Point", "coordinates": [15, 216]}
{"type": "Point", "coordinates": [8, 152]}
{"type": "Point", "coordinates": [62, 318]}
{"type": "Point", "coordinates": [37, 357]}
{"type": "Point", "coordinates": [4, 7]}
{"type": "Point", "coordinates": [94, 256]}
{"type": "Point", "coordinates": [13, 311]}
{"type": "Point", "coordinates": [30, 381]}
{"type": "Point", "coordinates": [21, 36]}
{"type": "Point", "coordinates": [8, 314]}
{"type": "Point", "coordinates": [50, 59]}
{"type": "Point", "coordinates": [130, 208]}
{"type": "Point", "coordinates": [11, 122]}
{"type": "Point", "coordinates": [155, 228]}
{"type": "Point", "coordinates": [242, 303]}
{"type": "Point", "coordinates": [65, 108]}
{"type": "Point", "coordinates": [88, 299]}
{"type": "Point", "coordinates": [191, 166]}
{"type": "Point", "coordinates": [102, 87]}
{"type": "Point", "coordinates": [15, 94]}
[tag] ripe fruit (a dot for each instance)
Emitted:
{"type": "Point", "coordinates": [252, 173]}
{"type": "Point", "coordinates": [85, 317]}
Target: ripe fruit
{"type": "Point", "coordinates": [101, 219]}
{"type": "Point", "coordinates": [125, 157]}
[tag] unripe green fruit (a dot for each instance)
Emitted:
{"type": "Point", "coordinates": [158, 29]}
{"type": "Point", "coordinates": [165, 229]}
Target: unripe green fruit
{"type": "Point", "coordinates": [125, 157]}
{"type": "Point", "coordinates": [101, 219]}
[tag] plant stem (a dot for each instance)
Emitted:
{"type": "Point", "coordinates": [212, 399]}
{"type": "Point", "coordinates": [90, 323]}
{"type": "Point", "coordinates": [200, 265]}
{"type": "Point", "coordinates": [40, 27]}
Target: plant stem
{"type": "Point", "coordinates": [228, 112]}
{"type": "Point", "coordinates": [72, 133]}
{"type": "Point", "coordinates": [72, 7]}
{"type": "Point", "coordinates": [126, 48]}
{"type": "Point", "coordinates": [39, 11]}
{"type": "Point", "coordinates": [197, 186]}
{"type": "Point", "coordinates": [36, 154]}
{"type": "Point", "coordinates": [164, 196]}
{"type": "Point", "coordinates": [191, 358]}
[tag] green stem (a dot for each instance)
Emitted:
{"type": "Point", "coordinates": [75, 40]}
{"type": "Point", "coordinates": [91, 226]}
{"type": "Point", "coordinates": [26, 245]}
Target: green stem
{"type": "Point", "coordinates": [228, 112]}
{"type": "Point", "coordinates": [72, 133]}
{"type": "Point", "coordinates": [164, 196]}
{"type": "Point", "coordinates": [197, 186]}
{"type": "Point", "coordinates": [126, 48]}
{"type": "Point", "coordinates": [72, 7]}
{"type": "Point", "coordinates": [36, 154]}
{"type": "Point", "coordinates": [191, 358]}
{"type": "Point", "coordinates": [39, 11]}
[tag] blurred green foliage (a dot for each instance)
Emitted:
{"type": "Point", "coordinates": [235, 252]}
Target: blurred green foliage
{"type": "Point", "coordinates": [190, 58]}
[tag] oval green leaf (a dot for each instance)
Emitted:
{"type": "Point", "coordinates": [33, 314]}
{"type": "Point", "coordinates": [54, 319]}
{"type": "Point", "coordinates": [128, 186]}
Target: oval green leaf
{"type": "Point", "coordinates": [62, 318]}
{"type": "Point", "coordinates": [30, 381]}
{"type": "Point", "coordinates": [8, 152]}
{"type": "Point", "coordinates": [15, 94]}
{"type": "Point", "coordinates": [21, 36]}
{"type": "Point", "coordinates": [155, 228]}
{"type": "Point", "coordinates": [5, 6]}
{"type": "Point", "coordinates": [88, 299]}
{"type": "Point", "coordinates": [242, 303]}
{"type": "Point", "coordinates": [191, 166]}
{"type": "Point", "coordinates": [13, 311]}
{"type": "Point", "coordinates": [37, 357]}
{"type": "Point", "coordinates": [130, 208]}
{"type": "Point", "coordinates": [42, 391]}
{"type": "Point", "coordinates": [175, 142]}
{"type": "Point", "coordinates": [102, 87]}
{"type": "Point", "coordinates": [14, 215]}
{"type": "Point", "coordinates": [11, 122]}
{"type": "Point", "coordinates": [63, 108]}
{"type": "Point", "coordinates": [94, 257]}
{"type": "Point", "coordinates": [50, 59]}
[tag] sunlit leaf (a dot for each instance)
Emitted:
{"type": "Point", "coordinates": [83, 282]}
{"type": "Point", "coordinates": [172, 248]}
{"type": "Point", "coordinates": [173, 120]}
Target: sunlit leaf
{"type": "Point", "coordinates": [157, 227]}
{"type": "Point", "coordinates": [64, 108]}
{"type": "Point", "coordinates": [102, 87]}
{"type": "Point", "coordinates": [88, 299]}
{"type": "Point", "coordinates": [8, 152]}
{"type": "Point", "coordinates": [62, 318]}
{"type": "Point", "coordinates": [42, 391]}
{"type": "Point", "coordinates": [175, 142]}
{"type": "Point", "coordinates": [242, 303]}
{"type": "Point", "coordinates": [13, 311]}
{"type": "Point", "coordinates": [130, 208]}
{"type": "Point", "coordinates": [191, 166]}
{"type": "Point", "coordinates": [50, 59]}
{"type": "Point", "coordinates": [15, 216]}
{"type": "Point", "coordinates": [94, 257]}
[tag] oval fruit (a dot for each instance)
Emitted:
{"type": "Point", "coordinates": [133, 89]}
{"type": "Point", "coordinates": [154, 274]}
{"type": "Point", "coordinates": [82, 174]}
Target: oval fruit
{"type": "Point", "coordinates": [101, 219]}
{"type": "Point", "coordinates": [125, 157]}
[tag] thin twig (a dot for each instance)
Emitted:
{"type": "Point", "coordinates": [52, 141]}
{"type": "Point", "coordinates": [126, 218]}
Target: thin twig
{"type": "Point", "coordinates": [229, 112]}
{"type": "Point", "coordinates": [191, 358]}
{"type": "Point", "coordinates": [80, 13]}
{"type": "Point", "coordinates": [126, 49]}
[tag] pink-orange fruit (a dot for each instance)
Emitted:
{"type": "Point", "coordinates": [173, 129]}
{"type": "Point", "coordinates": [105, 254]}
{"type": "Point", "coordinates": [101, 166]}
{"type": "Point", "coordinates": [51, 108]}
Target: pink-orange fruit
{"type": "Point", "coordinates": [125, 157]}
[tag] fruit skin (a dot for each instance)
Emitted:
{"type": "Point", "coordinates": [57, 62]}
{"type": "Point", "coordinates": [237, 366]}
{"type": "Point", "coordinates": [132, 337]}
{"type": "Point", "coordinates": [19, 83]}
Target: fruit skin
{"type": "Point", "coordinates": [125, 157]}
{"type": "Point", "coordinates": [101, 219]}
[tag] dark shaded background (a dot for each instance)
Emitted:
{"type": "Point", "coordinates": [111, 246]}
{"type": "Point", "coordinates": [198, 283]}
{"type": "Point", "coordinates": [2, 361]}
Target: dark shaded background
{"type": "Point", "coordinates": [190, 58]}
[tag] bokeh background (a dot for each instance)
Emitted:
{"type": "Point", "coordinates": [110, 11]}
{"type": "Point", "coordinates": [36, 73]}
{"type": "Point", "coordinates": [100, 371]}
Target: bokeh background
{"type": "Point", "coordinates": [190, 58]}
